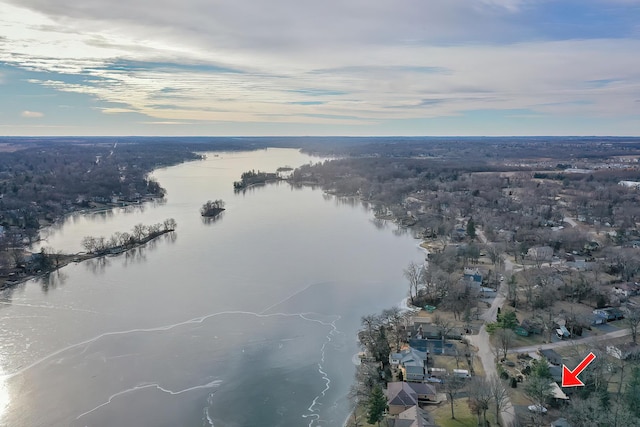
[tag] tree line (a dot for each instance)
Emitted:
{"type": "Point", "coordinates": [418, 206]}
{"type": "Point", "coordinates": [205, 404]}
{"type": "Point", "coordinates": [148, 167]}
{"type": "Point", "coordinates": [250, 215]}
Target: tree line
{"type": "Point", "coordinates": [140, 233]}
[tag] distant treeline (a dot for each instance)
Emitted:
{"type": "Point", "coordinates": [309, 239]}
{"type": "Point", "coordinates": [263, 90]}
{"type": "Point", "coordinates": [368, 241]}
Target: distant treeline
{"type": "Point", "coordinates": [433, 193]}
{"type": "Point", "coordinates": [252, 177]}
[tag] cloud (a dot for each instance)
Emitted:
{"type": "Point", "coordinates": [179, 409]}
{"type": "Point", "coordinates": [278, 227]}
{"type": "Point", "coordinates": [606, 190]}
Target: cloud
{"type": "Point", "coordinates": [31, 114]}
{"type": "Point", "coordinates": [286, 60]}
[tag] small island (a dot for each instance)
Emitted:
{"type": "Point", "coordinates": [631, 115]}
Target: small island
{"type": "Point", "coordinates": [212, 208]}
{"type": "Point", "coordinates": [252, 178]}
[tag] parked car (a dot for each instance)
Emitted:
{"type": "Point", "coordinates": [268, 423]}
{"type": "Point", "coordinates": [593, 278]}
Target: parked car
{"type": "Point", "coordinates": [537, 408]}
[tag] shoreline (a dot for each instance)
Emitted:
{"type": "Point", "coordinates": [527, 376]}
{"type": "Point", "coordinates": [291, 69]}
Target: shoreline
{"type": "Point", "coordinates": [78, 258]}
{"type": "Point", "coordinates": [104, 208]}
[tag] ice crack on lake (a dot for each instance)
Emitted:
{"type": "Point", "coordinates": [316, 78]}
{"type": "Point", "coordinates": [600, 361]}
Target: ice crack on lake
{"type": "Point", "coordinates": [211, 384]}
{"type": "Point", "coordinates": [312, 409]}
{"type": "Point", "coordinates": [196, 320]}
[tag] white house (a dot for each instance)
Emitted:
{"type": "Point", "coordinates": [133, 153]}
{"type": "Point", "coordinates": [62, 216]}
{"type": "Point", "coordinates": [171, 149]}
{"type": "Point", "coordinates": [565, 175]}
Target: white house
{"type": "Point", "coordinates": [540, 253]}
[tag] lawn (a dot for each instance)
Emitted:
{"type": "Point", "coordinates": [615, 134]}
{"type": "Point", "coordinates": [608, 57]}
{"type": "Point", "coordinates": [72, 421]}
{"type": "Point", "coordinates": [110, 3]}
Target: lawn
{"type": "Point", "coordinates": [449, 362]}
{"type": "Point", "coordinates": [464, 417]}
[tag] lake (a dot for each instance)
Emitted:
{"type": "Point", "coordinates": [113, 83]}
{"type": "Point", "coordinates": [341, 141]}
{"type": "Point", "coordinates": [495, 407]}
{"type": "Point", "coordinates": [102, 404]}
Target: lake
{"type": "Point", "coordinates": [246, 320]}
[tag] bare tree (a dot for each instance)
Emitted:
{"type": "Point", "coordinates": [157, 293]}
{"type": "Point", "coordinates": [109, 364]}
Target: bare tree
{"type": "Point", "coordinates": [139, 231]}
{"type": "Point", "coordinates": [444, 327]}
{"type": "Point", "coordinates": [371, 323]}
{"type": "Point", "coordinates": [499, 395]}
{"type": "Point", "coordinates": [101, 244]}
{"type": "Point", "coordinates": [89, 243]}
{"type": "Point", "coordinates": [632, 319]}
{"type": "Point", "coordinates": [414, 274]}
{"type": "Point", "coordinates": [479, 391]}
{"type": "Point", "coordinates": [452, 386]}
{"type": "Point", "coordinates": [504, 338]}
{"type": "Point", "coordinates": [56, 255]}
{"type": "Point", "coordinates": [356, 396]}
{"type": "Point", "coordinates": [169, 224]}
{"type": "Point", "coordinates": [494, 251]}
{"type": "Point", "coordinates": [114, 240]}
{"type": "Point", "coordinates": [125, 239]}
{"type": "Point", "coordinates": [548, 323]}
{"type": "Point", "coordinates": [393, 317]}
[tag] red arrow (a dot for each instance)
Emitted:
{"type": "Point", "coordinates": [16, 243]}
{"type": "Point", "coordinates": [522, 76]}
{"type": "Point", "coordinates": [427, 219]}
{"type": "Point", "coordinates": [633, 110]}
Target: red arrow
{"type": "Point", "coordinates": [570, 378]}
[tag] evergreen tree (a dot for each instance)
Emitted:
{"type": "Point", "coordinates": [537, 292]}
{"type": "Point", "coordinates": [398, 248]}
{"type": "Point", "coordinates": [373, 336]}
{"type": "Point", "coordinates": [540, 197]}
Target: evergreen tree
{"type": "Point", "coordinates": [507, 319]}
{"type": "Point", "coordinates": [632, 393]}
{"type": "Point", "coordinates": [471, 229]}
{"type": "Point", "coordinates": [540, 369]}
{"type": "Point", "coordinates": [376, 406]}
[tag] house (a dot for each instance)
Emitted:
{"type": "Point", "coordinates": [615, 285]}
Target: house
{"type": "Point", "coordinates": [400, 397]}
{"type": "Point", "coordinates": [425, 330]}
{"type": "Point", "coordinates": [540, 253]}
{"type": "Point", "coordinates": [624, 351]}
{"type": "Point", "coordinates": [459, 233]}
{"type": "Point", "coordinates": [579, 263]}
{"type": "Point", "coordinates": [394, 359]}
{"type": "Point", "coordinates": [627, 289]}
{"type": "Point", "coordinates": [487, 292]}
{"type": "Point", "coordinates": [438, 372]}
{"type": "Point", "coordinates": [556, 373]}
{"type": "Point", "coordinates": [557, 394]}
{"type": "Point", "coordinates": [412, 357]}
{"type": "Point", "coordinates": [560, 422]}
{"type": "Point", "coordinates": [473, 275]}
{"type": "Point", "coordinates": [630, 184]}
{"type": "Point", "coordinates": [592, 246]}
{"type": "Point", "coordinates": [425, 392]}
{"type": "Point", "coordinates": [461, 373]}
{"type": "Point", "coordinates": [531, 326]}
{"type": "Point", "coordinates": [596, 319]}
{"type": "Point", "coordinates": [562, 332]}
{"type": "Point", "coordinates": [551, 356]}
{"type": "Point", "coordinates": [415, 373]}
{"type": "Point", "coordinates": [412, 362]}
{"type": "Point", "coordinates": [610, 313]}
{"type": "Point", "coordinates": [412, 417]}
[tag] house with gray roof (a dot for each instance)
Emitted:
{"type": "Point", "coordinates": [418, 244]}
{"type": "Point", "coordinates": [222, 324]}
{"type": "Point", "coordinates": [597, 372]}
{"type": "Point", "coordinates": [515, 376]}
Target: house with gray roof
{"type": "Point", "coordinates": [540, 253]}
{"type": "Point", "coordinates": [412, 362]}
{"type": "Point", "coordinates": [400, 397]}
{"type": "Point", "coordinates": [609, 313]}
{"type": "Point", "coordinates": [552, 356]}
{"type": "Point", "coordinates": [560, 422]}
{"type": "Point", "coordinates": [412, 417]}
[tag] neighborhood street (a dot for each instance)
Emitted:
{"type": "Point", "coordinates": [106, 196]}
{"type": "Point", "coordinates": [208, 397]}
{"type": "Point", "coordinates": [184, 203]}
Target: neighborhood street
{"type": "Point", "coordinates": [569, 343]}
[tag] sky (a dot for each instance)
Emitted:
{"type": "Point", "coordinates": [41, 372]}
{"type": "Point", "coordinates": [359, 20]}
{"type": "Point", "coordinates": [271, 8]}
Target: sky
{"type": "Point", "coordinates": [331, 67]}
